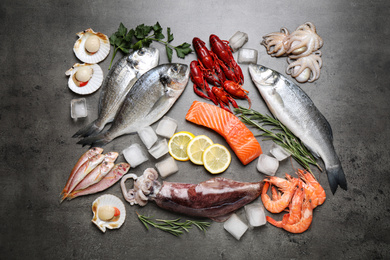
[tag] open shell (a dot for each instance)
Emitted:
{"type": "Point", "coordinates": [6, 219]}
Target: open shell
{"type": "Point", "coordinates": [83, 55]}
{"type": "Point", "coordinates": [93, 84]}
{"type": "Point", "coordinates": [108, 200]}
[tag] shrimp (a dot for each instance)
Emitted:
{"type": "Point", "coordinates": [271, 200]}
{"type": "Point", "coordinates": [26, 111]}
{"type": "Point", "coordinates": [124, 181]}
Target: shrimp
{"type": "Point", "coordinates": [317, 193]}
{"type": "Point", "coordinates": [288, 189]}
{"type": "Point", "coordinates": [295, 209]}
{"type": "Point", "coordinates": [305, 221]}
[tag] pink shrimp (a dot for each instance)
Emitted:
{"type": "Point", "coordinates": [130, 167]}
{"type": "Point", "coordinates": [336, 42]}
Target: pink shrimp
{"type": "Point", "coordinates": [285, 186]}
{"type": "Point", "coordinates": [295, 209]}
{"type": "Point", "coordinates": [305, 221]}
{"type": "Point", "coordinates": [317, 193]}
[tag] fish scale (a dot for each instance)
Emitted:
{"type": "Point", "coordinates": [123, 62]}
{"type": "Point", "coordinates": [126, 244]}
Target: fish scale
{"type": "Point", "coordinates": [149, 99]}
{"type": "Point", "coordinates": [294, 109]}
{"type": "Point", "coordinates": [117, 84]}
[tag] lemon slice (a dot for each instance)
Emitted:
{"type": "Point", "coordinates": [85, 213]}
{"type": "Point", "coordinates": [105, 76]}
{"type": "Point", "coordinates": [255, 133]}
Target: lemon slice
{"type": "Point", "coordinates": [177, 145]}
{"type": "Point", "coordinates": [196, 147]}
{"type": "Point", "coordinates": [216, 158]}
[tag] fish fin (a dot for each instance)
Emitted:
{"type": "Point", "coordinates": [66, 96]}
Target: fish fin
{"type": "Point", "coordinates": [327, 127]}
{"type": "Point", "coordinates": [336, 178]}
{"type": "Point", "coordinates": [88, 130]}
{"type": "Point", "coordinates": [161, 100]}
{"type": "Point", "coordinates": [96, 140]}
{"type": "Point", "coordinates": [314, 153]}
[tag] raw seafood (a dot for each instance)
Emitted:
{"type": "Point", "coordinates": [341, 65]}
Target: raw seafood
{"type": "Point", "coordinates": [117, 84]}
{"type": "Point", "coordinates": [99, 172]}
{"type": "Point", "coordinates": [215, 66]}
{"type": "Point", "coordinates": [237, 135]}
{"type": "Point", "coordinates": [305, 68]}
{"type": "Point", "coordinates": [108, 212]}
{"type": "Point", "coordinates": [215, 198]}
{"type": "Point", "coordinates": [286, 187]}
{"type": "Point", "coordinates": [148, 100]}
{"type": "Point", "coordinates": [294, 108]}
{"type": "Point", "coordinates": [91, 47]}
{"type": "Point", "coordinates": [301, 47]}
{"type": "Point", "coordinates": [274, 42]}
{"type": "Point", "coordinates": [79, 83]}
{"type": "Point", "coordinates": [83, 158]}
{"type": "Point", "coordinates": [303, 41]}
{"type": "Point", "coordinates": [82, 171]}
{"type": "Point", "coordinates": [110, 179]}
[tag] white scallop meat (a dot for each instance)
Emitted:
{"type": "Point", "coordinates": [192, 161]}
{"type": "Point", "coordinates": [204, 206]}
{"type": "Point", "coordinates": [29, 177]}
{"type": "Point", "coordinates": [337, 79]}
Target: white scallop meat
{"type": "Point", "coordinates": [108, 200]}
{"type": "Point", "coordinates": [93, 84]}
{"type": "Point", "coordinates": [92, 58]}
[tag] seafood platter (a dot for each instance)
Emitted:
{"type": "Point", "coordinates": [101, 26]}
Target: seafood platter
{"type": "Point", "coordinates": [138, 91]}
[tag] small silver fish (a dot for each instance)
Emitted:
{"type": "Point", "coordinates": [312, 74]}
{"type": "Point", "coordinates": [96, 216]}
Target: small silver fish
{"type": "Point", "coordinates": [148, 100]}
{"type": "Point", "coordinates": [294, 108]}
{"type": "Point", "coordinates": [117, 84]}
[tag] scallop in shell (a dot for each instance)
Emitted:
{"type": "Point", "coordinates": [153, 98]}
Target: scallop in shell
{"type": "Point", "coordinates": [91, 47]}
{"type": "Point", "coordinates": [108, 212]}
{"type": "Point", "coordinates": [84, 78]}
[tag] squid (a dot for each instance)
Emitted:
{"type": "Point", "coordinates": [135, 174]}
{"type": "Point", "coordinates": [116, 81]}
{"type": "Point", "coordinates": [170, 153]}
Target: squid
{"type": "Point", "coordinates": [216, 198]}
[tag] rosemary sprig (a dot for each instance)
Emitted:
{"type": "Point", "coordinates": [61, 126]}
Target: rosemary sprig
{"type": "Point", "coordinates": [174, 227]}
{"type": "Point", "coordinates": [280, 134]}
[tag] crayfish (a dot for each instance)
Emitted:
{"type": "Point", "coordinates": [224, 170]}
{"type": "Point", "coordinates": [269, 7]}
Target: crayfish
{"type": "Point", "coordinates": [218, 68]}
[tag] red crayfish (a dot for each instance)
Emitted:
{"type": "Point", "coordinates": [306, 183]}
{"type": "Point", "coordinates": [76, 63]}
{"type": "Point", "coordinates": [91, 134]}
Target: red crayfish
{"type": "Point", "coordinates": [217, 67]}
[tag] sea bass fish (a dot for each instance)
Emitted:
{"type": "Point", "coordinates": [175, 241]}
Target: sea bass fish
{"type": "Point", "coordinates": [117, 84]}
{"type": "Point", "coordinates": [294, 108]}
{"type": "Point", "coordinates": [148, 100]}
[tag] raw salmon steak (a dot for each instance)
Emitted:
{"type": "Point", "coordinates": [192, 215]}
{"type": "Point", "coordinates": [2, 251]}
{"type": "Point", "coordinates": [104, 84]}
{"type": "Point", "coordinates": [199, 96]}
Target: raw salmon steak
{"type": "Point", "coordinates": [236, 134]}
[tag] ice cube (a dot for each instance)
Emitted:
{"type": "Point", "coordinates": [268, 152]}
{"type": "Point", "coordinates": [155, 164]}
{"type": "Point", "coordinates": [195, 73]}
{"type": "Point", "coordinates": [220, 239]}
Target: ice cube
{"type": "Point", "coordinates": [78, 108]}
{"type": "Point", "coordinates": [134, 155]}
{"type": "Point", "coordinates": [159, 148]}
{"type": "Point", "coordinates": [267, 164]}
{"type": "Point", "coordinates": [235, 226]}
{"type": "Point", "coordinates": [167, 167]}
{"type": "Point", "coordinates": [238, 40]}
{"type": "Point", "coordinates": [279, 152]}
{"type": "Point", "coordinates": [247, 56]}
{"type": "Point", "coordinates": [255, 214]}
{"type": "Point", "coordinates": [148, 136]}
{"type": "Point", "coordinates": [166, 127]}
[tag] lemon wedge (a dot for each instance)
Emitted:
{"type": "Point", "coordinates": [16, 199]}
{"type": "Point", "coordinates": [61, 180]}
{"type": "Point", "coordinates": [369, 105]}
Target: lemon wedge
{"type": "Point", "coordinates": [216, 158]}
{"type": "Point", "coordinates": [196, 147]}
{"type": "Point", "coordinates": [177, 145]}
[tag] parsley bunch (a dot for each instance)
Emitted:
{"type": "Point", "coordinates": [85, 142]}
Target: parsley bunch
{"type": "Point", "coordinates": [134, 39]}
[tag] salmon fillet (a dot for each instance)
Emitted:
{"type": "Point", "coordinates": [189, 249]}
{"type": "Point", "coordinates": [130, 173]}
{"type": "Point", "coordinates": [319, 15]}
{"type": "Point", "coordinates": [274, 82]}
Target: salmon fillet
{"type": "Point", "coordinates": [236, 134]}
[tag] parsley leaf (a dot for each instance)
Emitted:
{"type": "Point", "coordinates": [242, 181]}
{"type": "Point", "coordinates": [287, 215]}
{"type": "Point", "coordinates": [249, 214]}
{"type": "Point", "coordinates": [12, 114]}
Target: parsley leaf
{"type": "Point", "coordinates": [142, 36]}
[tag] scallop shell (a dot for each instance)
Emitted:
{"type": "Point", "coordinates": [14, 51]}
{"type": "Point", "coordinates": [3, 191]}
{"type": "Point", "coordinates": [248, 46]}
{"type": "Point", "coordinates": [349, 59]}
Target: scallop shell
{"type": "Point", "coordinates": [93, 84]}
{"type": "Point", "coordinates": [108, 200]}
{"type": "Point", "coordinates": [83, 55]}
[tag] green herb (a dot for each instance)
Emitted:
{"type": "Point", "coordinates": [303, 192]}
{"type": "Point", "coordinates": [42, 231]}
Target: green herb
{"type": "Point", "coordinates": [283, 136]}
{"type": "Point", "coordinates": [142, 36]}
{"type": "Point", "coordinates": [174, 227]}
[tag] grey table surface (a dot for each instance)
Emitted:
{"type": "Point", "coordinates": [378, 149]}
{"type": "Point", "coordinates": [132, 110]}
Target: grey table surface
{"type": "Point", "coordinates": [38, 151]}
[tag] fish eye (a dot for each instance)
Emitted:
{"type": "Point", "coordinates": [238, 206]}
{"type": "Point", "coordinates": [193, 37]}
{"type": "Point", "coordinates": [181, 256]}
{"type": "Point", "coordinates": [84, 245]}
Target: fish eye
{"type": "Point", "coordinates": [175, 68]}
{"type": "Point", "coordinates": [141, 51]}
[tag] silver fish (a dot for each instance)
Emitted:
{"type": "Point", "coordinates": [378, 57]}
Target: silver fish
{"type": "Point", "coordinates": [294, 108]}
{"type": "Point", "coordinates": [117, 84]}
{"type": "Point", "coordinates": [148, 100]}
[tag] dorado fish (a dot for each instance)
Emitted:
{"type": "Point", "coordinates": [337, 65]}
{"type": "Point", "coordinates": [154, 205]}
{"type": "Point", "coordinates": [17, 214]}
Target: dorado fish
{"type": "Point", "coordinates": [294, 108]}
{"type": "Point", "coordinates": [118, 83]}
{"type": "Point", "coordinates": [149, 99]}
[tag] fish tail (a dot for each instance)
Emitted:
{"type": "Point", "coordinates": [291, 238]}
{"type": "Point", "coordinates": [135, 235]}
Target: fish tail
{"type": "Point", "coordinates": [96, 140]}
{"type": "Point", "coordinates": [336, 178]}
{"type": "Point", "coordinates": [64, 197]}
{"type": "Point", "coordinates": [88, 130]}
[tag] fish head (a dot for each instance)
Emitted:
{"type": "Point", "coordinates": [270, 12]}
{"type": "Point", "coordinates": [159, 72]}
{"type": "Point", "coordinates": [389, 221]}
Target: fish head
{"type": "Point", "coordinates": [263, 76]}
{"type": "Point", "coordinates": [143, 59]}
{"type": "Point", "coordinates": [175, 79]}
